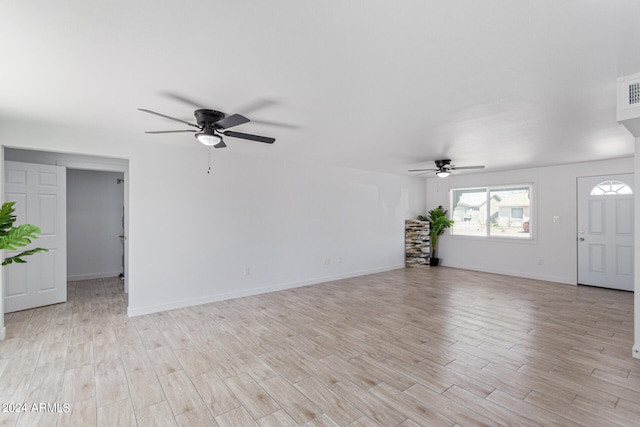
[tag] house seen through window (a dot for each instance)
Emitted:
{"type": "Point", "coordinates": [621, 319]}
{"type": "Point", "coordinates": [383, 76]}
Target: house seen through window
{"type": "Point", "coordinates": [492, 211]}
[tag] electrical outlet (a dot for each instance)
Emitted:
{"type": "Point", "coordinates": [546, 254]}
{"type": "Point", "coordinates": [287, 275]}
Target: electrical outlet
{"type": "Point", "coordinates": [247, 271]}
{"type": "Point", "coordinates": [326, 261]}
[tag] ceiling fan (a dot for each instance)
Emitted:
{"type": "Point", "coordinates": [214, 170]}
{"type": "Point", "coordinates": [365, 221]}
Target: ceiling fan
{"type": "Point", "coordinates": [444, 168]}
{"type": "Point", "coordinates": [211, 125]}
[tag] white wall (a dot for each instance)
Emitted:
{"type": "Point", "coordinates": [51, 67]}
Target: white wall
{"type": "Point", "coordinates": [554, 244]}
{"type": "Point", "coordinates": [192, 235]}
{"type": "Point", "coordinates": [95, 202]}
{"type": "Point", "coordinates": [283, 221]}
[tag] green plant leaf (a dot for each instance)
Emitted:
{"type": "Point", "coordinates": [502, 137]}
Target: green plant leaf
{"type": "Point", "coordinates": [19, 236]}
{"type": "Point", "coordinates": [12, 238]}
{"type": "Point", "coordinates": [6, 217]}
{"type": "Point", "coordinates": [18, 258]}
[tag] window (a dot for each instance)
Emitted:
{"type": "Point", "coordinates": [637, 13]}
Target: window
{"type": "Point", "coordinates": [492, 211]}
{"type": "Point", "coordinates": [609, 188]}
{"type": "Point", "coordinates": [517, 213]}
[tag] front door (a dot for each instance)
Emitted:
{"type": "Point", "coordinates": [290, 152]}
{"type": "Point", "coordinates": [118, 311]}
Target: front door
{"type": "Point", "coordinates": [40, 195]}
{"type": "Point", "coordinates": [605, 231]}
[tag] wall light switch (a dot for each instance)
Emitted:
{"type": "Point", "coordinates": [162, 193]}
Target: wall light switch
{"type": "Point", "coordinates": [556, 219]}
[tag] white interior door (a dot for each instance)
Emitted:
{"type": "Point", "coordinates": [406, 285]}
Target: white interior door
{"type": "Point", "coordinates": [605, 231]}
{"type": "Point", "coordinates": [40, 195]}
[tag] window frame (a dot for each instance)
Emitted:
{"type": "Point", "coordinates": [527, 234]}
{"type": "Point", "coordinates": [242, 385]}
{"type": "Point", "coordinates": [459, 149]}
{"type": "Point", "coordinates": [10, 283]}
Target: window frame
{"type": "Point", "coordinates": [488, 189]}
{"type": "Point", "coordinates": [610, 192]}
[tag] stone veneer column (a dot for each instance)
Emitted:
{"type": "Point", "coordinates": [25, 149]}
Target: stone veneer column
{"type": "Point", "coordinates": [417, 243]}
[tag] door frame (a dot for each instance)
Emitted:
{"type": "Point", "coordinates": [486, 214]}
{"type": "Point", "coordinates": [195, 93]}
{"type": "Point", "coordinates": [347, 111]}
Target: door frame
{"type": "Point", "coordinates": [105, 167]}
{"type": "Point", "coordinates": [74, 164]}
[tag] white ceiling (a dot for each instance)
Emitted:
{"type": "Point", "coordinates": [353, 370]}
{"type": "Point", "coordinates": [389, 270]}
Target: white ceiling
{"type": "Point", "coordinates": [376, 85]}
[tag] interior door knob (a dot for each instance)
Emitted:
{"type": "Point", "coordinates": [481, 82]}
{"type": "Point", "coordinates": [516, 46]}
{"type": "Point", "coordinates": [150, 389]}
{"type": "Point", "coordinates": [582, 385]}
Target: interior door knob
{"type": "Point", "coordinates": [581, 239]}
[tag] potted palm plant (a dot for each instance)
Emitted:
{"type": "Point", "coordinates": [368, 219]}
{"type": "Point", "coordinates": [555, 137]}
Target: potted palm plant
{"type": "Point", "coordinates": [438, 223]}
{"type": "Point", "coordinates": [12, 238]}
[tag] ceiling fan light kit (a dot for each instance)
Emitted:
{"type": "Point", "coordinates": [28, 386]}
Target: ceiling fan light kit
{"type": "Point", "coordinates": [444, 168]}
{"type": "Point", "coordinates": [209, 139]}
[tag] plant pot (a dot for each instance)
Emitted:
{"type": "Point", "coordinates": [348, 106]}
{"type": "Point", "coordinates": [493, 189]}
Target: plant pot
{"type": "Point", "coordinates": [433, 262]}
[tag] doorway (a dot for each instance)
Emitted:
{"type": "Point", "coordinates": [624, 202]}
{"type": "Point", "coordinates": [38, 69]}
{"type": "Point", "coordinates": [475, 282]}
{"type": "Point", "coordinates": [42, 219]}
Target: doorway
{"type": "Point", "coordinates": [605, 231]}
{"type": "Point", "coordinates": [84, 167]}
{"type": "Point", "coordinates": [95, 202]}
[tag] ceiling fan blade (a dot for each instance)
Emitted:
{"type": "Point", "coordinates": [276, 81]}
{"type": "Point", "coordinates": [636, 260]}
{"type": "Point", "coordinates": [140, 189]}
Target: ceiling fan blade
{"type": "Point", "coordinates": [277, 124]}
{"type": "Point", "coordinates": [466, 167]}
{"type": "Point", "coordinates": [220, 144]}
{"type": "Point", "coordinates": [230, 121]}
{"type": "Point", "coordinates": [250, 137]}
{"type": "Point", "coordinates": [422, 170]}
{"type": "Point", "coordinates": [257, 104]}
{"type": "Point", "coordinates": [170, 131]}
{"type": "Point", "coordinates": [184, 100]}
{"type": "Point", "coordinates": [169, 117]}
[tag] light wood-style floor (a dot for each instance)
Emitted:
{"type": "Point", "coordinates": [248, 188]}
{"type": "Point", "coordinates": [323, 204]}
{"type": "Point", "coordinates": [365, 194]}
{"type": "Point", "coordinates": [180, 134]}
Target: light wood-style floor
{"type": "Point", "coordinates": [409, 347]}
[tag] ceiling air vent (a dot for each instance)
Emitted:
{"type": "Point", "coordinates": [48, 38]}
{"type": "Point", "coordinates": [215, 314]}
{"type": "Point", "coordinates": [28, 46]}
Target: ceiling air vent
{"type": "Point", "coordinates": [629, 97]}
{"type": "Point", "coordinates": [634, 93]}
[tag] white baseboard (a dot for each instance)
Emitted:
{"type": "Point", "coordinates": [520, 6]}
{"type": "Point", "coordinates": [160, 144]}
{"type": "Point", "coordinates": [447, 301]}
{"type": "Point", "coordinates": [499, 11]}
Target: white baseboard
{"type": "Point", "coordinates": [3, 333]}
{"type": "Point", "coordinates": [635, 352]}
{"type": "Point", "coordinates": [546, 278]}
{"type": "Point", "coordinates": [139, 311]}
{"type": "Point", "coordinates": [93, 276]}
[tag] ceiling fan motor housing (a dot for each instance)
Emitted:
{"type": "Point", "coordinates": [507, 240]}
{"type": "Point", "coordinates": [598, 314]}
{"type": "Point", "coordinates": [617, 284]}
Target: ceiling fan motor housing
{"type": "Point", "coordinates": [442, 163]}
{"type": "Point", "coordinates": [205, 117]}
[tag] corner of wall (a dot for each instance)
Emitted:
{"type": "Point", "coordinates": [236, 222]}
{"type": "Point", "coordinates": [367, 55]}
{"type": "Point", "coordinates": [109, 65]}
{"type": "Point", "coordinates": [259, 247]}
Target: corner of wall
{"type": "Point", "coordinates": [3, 331]}
{"type": "Point", "coordinates": [636, 261]}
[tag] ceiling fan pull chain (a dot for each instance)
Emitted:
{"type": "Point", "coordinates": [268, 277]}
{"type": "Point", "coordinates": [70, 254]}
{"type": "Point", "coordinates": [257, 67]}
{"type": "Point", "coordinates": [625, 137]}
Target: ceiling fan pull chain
{"type": "Point", "coordinates": [209, 170]}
